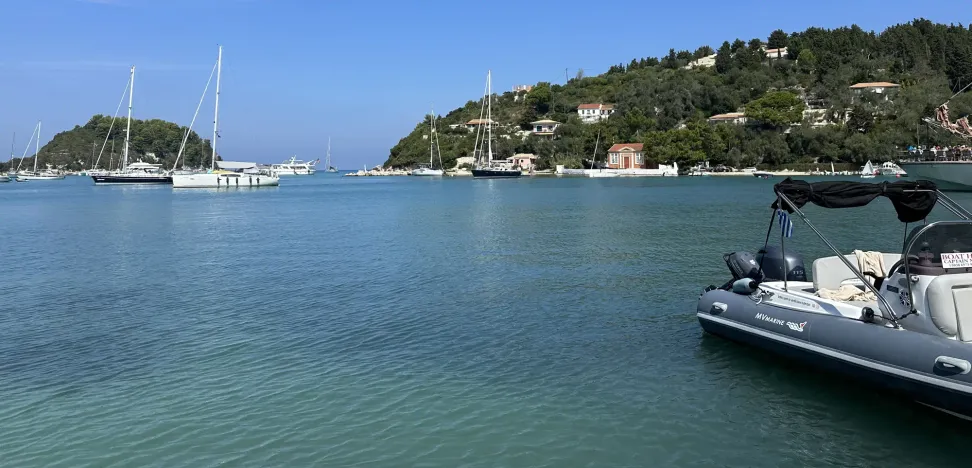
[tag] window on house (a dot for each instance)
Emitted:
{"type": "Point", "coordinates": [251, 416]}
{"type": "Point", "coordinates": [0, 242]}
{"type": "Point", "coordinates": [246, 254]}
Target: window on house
{"type": "Point", "coordinates": [614, 158]}
{"type": "Point", "coordinates": [638, 158]}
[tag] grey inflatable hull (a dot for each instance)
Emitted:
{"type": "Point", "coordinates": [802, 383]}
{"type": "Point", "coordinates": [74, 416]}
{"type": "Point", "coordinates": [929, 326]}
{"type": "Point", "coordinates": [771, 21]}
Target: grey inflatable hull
{"type": "Point", "coordinates": [911, 364]}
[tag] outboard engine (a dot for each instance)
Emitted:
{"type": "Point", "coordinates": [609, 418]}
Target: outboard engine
{"type": "Point", "coordinates": [743, 265]}
{"type": "Point", "coordinates": [779, 268]}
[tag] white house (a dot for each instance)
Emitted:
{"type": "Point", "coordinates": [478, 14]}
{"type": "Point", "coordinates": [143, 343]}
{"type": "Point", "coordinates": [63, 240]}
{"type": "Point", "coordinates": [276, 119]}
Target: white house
{"type": "Point", "coordinates": [775, 53]}
{"type": "Point", "coordinates": [880, 87]}
{"type": "Point", "coordinates": [544, 127]}
{"type": "Point", "coordinates": [735, 118]}
{"type": "Point", "coordinates": [704, 62]}
{"type": "Point", "coordinates": [475, 123]}
{"type": "Point", "coordinates": [590, 113]}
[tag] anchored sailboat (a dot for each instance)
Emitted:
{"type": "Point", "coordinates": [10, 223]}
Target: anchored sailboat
{"type": "Point", "coordinates": [427, 170]}
{"type": "Point", "coordinates": [47, 174]}
{"type": "Point", "coordinates": [868, 171]}
{"type": "Point", "coordinates": [485, 166]}
{"type": "Point", "coordinates": [230, 174]}
{"type": "Point", "coordinates": [136, 173]}
{"type": "Point", "coordinates": [599, 172]}
{"type": "Point", "coordinates": [327, 162]}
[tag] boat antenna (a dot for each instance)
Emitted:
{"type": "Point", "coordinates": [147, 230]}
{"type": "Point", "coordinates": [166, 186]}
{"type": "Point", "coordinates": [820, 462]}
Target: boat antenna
{"type": "Point", "coordinates": [219, 69]}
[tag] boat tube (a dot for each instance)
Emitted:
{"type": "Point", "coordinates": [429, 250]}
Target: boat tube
{"type": "Point", "coordinates": [907, 330]}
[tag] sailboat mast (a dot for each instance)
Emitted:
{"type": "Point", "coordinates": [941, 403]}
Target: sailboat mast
{"type": "Point", "coordinates": [128, 130]}
{"type": "Point", "coordinates": [13, 143]}
{"type": "Point", "coordinates": [219, 70]}
{"type": "Point", "coordinates": [431, 134]}
{"type": "Point", "coordinates": [37, 147]}
{"type": "Point", "coordinates": [489, 115]}
{"type": "Point", "coordinates": [328, 162]}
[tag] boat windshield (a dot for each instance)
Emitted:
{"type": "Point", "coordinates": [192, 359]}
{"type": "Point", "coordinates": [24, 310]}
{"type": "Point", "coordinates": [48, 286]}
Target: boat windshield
{"type": "Point", "coordinates": [943, 245]}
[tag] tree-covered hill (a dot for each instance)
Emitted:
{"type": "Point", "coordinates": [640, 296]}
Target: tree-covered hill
{"type": "Point", "coordinates": [154, 140]}
{"type": "Point", "coordinates": [665, 102]}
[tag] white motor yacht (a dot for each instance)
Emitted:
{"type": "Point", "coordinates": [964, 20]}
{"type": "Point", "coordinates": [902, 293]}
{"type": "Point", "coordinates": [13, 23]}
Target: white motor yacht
{"type": "Point", "coordinates": [294, 166]}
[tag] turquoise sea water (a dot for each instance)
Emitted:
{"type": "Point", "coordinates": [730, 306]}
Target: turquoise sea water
{"type": "Point", "coordinates": [416, 322]}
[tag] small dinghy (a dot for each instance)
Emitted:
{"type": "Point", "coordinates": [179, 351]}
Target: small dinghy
{"type": "Point", "coordinates": [899, 321]}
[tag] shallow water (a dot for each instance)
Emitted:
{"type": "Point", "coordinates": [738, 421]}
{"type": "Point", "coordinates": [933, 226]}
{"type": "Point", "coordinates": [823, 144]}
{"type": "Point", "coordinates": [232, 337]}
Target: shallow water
{"type": "Point", "coordinates": [416, 322]}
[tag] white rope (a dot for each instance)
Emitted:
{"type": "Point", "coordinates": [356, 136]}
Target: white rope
{"type": "Point", "coordinates": [110, 127]}
{"type": "Point", "coordinates": [189, 129]}
{"type": "Point", "coordinates": [28, 147]}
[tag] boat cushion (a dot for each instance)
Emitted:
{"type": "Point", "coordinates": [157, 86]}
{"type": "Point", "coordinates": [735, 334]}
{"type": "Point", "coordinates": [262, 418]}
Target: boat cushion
{"type": "Point", "coordinates": [950, 304]}
{"type": "Point", "coordinates": [830, 272]}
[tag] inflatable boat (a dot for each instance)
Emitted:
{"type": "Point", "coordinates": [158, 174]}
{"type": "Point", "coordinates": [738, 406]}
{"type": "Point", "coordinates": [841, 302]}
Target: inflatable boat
{"type": "Point", "coordinates": [901, 321]}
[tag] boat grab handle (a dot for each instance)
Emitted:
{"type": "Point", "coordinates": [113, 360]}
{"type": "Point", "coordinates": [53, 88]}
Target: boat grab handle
{"type": "Point", "coordinates": [953, 364]}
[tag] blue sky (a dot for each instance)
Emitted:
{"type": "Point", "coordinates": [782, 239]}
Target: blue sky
{"type": "Point", "coordinates": [362, 72]}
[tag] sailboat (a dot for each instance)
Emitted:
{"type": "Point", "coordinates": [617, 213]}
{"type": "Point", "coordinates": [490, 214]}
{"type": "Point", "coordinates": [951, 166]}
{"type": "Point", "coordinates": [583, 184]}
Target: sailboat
{"type": "Point", "coordinates": [47, 174]}
{"type": "Point", "coordinates": [136, 173]}
{"type": "Point", "coordinates": [231, 174]}
{"type": "Point", "coordinates": [485, 166]}
{"type": "Point", "coordinates": [868, 171]}
{"type": "Point", "coordinates": [598, 172]}
{"type": "Point", "coordinates": [327, 161]}
{"type": "Point", "coordinates": [427, 170]}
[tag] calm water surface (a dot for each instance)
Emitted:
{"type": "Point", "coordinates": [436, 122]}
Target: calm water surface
{"type": "Point", "coordinates": [416, 322]}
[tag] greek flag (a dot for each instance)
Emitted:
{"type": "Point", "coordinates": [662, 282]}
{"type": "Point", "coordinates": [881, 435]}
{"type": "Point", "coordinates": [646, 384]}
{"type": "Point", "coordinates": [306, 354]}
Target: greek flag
{"type": "Point", "coordinates": [786, 224]}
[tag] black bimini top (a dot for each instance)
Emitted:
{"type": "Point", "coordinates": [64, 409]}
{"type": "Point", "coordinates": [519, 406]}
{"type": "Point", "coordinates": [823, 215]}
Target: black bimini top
{"type": "Point", "coordinates": [912, 200]}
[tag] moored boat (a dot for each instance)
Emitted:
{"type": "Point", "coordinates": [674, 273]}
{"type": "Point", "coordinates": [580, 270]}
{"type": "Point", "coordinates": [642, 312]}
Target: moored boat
{"type": "Point", "coordinates": [486, 167]}
{"type": "Point", "coordinates": [230, 174]}
{"type": "Point", "coordinates": [294, 166]}
{"type": "Point", "coordinates": [428, 170]}
{"type": "Point", "coordinates": [898, 321]}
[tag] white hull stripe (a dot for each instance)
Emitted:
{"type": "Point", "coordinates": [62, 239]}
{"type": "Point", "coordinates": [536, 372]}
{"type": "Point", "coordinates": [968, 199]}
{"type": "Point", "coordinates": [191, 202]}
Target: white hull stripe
{"type": "Point", "coordinates": [839, 355]}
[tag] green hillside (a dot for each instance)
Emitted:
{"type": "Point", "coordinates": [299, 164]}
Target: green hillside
{"type": "Point", "coordinates": [665, 104]}
{"type": "Point", "coordinates": [155, 141]}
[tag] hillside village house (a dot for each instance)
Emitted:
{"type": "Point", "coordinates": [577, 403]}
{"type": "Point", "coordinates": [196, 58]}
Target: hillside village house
{"type": "Point", "coordinates": [522, 160]}
{"type": "Point", "coordinates": [475, 123]}
{"type": "Point", "coordinates": [525, 88]}
{"type": "Point", "coordinates": [544, 127]}
{"type": "Point", "coordinates": [776, 53]}
{"type": "Point", "coordinates": [626, 156]}
{"type": "Point", "coordinates": [590, 113]}
{"type": "Point", "coordinates": [883, 88]}
{"type": "Point", "coordinates": [735, 118]}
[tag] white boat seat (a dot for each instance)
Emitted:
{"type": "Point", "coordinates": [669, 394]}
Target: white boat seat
{"type": "Point", "coordinates": [830, 272]}
{"type": "Point", "coordinates": [950, 304]}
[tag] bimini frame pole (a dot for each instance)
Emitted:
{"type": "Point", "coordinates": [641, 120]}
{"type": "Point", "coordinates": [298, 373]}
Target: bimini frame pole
{"type": "Point", "coordinates": [951, 205]}
{"type": "Point", "coordinates": [867, 284]}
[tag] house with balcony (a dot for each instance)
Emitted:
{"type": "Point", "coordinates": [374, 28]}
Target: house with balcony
{"type": "Point", "coordinates": [544, 127]}
{"type": "Point", "coordinates": [626, 156]}
{"type": "Point", "coordinates": [590, 113]}
{"type": "Point", "coordinates": [734, 118]}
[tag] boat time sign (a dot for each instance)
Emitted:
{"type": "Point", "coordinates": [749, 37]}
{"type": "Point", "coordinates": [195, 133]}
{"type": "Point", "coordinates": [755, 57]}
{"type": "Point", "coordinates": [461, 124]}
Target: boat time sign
{"type": "Point", "coordinates": [957, 260]}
